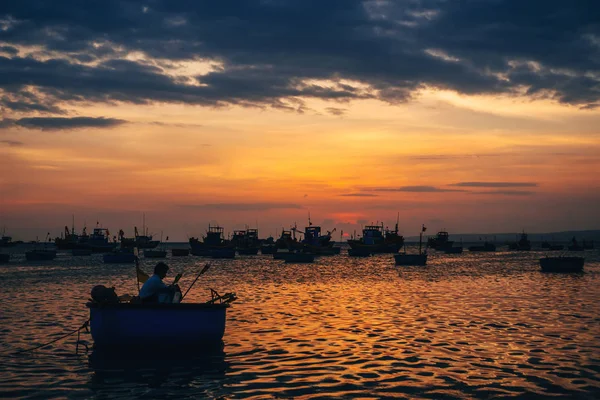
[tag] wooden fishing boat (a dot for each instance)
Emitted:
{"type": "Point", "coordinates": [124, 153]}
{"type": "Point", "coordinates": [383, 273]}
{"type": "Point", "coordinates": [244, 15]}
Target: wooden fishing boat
{"type": "Point", "coordinates": [126, 325]}
{"type": "Point", "coordinates": [419, 259]}
{"type": "Point", "coordinates": [180, 252]}
{"type": "Point", "coordinates": [562, 264]}
{"type": "Point", "coordinates": [453, 250]}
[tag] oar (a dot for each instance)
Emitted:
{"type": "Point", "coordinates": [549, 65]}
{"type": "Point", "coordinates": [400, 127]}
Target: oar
{"type": "Point", "coordinates": [206, 267]}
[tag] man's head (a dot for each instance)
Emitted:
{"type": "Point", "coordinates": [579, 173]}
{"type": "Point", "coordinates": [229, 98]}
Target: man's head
{"type": "Point", "coordinates": [161, 270]}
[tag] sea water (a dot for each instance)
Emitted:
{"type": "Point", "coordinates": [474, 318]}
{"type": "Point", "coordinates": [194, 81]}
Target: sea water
{"type": "Point", "coordinates": [471, 325]}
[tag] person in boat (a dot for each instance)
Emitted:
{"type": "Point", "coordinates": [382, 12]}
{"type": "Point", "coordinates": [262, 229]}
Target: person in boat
{"type": "Point", "coordinates": [155, 290]}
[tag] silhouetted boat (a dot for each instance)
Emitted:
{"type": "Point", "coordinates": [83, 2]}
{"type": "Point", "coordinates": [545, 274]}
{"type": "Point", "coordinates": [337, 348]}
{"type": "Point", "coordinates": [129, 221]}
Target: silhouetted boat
{"type": "Point", "coordinates": [155, 253]}
{"type": "Point", "coordinates": [268, 248]}
{"type": "Point", "coordinates": [180, 252]}
{"type": "Point", "coordinates": [562, 264]}
{"type": "Point", "coordinates": [214, 240]}
{"type": "Point", "coordinates": [81, 252]}
{"type": "Point", "coordinates": [97, 241]}
{"type": "Point", "coordinates": [119, 256]}
{"type": "Point", "coordinates": [4, 258]}
{"type": "Point", "coordinates": [40, 255]}
{"type": "Point", "coordinates": [6, 241]}
{"type": "Point", "coordinates": [453, 250]}
{"type": "Point", "coordinates": [524, 244]}
{"type": "Point", "coordinates": [126, 325]}
{"type": "Point", "coordinates": [248, 251]}
{"type": "Point", "coordinates": [419, 259]}
{"type": "Point", "coordinates": [246, 241]}
{"type": "Point", "coordinates": [440, 242]}
{"type": "Point", "coordinates": [487, 246]}
{"type": "Point", "coordinates": [314, 242]}
{"type": "Point", "coordinates": [378, 240]}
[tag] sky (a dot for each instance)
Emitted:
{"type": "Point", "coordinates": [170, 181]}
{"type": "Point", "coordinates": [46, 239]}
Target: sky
{"type": "Point", "coordinates": [470, 116]}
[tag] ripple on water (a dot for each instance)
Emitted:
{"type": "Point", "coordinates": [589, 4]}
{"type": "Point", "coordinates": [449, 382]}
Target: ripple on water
{"type": "Point", "coordinates": [467, 326]}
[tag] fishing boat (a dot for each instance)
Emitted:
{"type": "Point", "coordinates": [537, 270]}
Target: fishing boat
{"type": "Point", "coordinates": [81, 252]}
{"type": "Point", "coordinates": [214, 240]}
{"type": "Point", "coordinates": [562, 264]}
{"type": "Point", "coordinates": [40, 255]}
{"type": "Point", "coordinates": [70, 240]}
{"type": "Point", "coordinates": [246, 241]}
{"type": "Point", "coordinates": [155, 253]}
{"type": "Point", "coordinates": [123, 325]}
{"type": "Point", "coordinates": [119, 256]}
{"type": "Point", "coordinates": [486, 246]}
{"type": "Point", "coordinates": [6, 241]}
{"type": "Point", "coordinates": [453, 250]}
{"type": "Point", "coordinates": [314, 242]}
{"type": "Point", "coordinates": [523, 244]}
{"type": "Point", "coordinates": [419, 259]}
{"type": "Point", "coordinates": [378, 240]}
{"type": "Point", "coordinates": [180, 252]}
{"type": "Point", "coordinates": [440, 242]}
{"type": "Point", "coordinates": [4, 258]}
{"type": "Point", "coordinates": [98, 241]}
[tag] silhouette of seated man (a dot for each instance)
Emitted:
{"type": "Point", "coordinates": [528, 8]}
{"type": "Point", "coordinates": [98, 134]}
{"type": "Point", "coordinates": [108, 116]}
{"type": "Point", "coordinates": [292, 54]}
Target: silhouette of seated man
{"type": "Point", "coordinates": [156, 291]}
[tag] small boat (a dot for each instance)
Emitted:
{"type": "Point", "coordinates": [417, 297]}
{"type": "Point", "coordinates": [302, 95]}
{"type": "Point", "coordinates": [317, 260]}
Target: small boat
{"type": "Point", "coordinates": [121, 256]}
{"type": "Point", "coordinates": [40, 255]}
{"type": "Point", "coordinates": [155, 253]}
{"type": "Point", "coordinates": [440, 242]}
{"type": "Point", "coordinates": [126, 325]}
{"type": "Point", "coordinates": [225, 252]}
{"type": "Point", "coordinates": [359, 252]}
{"type": "Point", "coordinates": [453, 250]}
{"type": "Point", "coordinates": [487, 246]}
{"type": "Point", "coordinates": [298, 257]}
{"type": "Point", "coordinates": [4, 258]}
{"type": "Point", "coordinates": [180, 252]}
{"type": "Point", "coordinates": [419, 259]}
{"type": "Point", "coordinates": [562, 264]}
{"type": "Point", "coordinates": [81, 252]}
{"type": "Point", "coordinates": [524, 244]}
{"type": "Point", "coordinates": [378, 240]}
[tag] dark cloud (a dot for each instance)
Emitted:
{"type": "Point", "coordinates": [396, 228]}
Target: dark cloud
{"type": "Point", "coordinates": [358, 195]}
{"type": "Point", "coordinates": [242, 206]}
{"type": "Point", "coordinates": [9, 49]}
{"type": "Point", "coordinates": [495, 184]}
{"type": "Point", "coordinates": [271, 53]}
{"type": "Point", "coordinates": [336, 111]}
{"type": "Point", "coordinates": [415, 189]}
{"type": "Point", "coordinates": [506, 193]}
{"type": "Point", "coordinates": [11, 143]}
{"type": "Point", "coordinates": [58, 123]}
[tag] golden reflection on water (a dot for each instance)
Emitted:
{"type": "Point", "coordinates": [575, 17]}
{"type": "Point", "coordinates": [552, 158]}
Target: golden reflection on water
{"type": "Point", "coordinates": [465, 326]}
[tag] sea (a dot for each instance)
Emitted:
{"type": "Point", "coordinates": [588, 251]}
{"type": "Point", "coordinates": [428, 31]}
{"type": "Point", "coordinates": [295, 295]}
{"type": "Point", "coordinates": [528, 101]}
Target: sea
{"type": "Point", "coordinates": [466, 326]}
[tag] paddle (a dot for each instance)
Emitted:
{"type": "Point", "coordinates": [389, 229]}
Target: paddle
{"type": "Point", "coordinates": [206, 267]}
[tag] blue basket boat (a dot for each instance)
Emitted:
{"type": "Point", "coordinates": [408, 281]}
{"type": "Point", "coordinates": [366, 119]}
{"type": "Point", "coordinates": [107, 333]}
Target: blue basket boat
{"type": "Point", "coordinates": [127, 325]}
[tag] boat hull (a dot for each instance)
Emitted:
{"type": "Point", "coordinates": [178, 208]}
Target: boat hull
{"type": "Point", "coordinates": [290, 258]}
{"type": "Point", "coordinates": [137, 325]}
{"type": "Point", "coordinates": [410, 259]}
{"type": "Point", "coordinates": [562, 264]}
{"type": "Point", "coordinates": [248, 251]}
{"type": "Point", "coordinates": [453, 250]}
{"type": "Point", "coordinates": [81, 252]}
{"type": "Point", "coordinates": [382, 248]}
{"type": "Point", "coordinates": [4, 258]}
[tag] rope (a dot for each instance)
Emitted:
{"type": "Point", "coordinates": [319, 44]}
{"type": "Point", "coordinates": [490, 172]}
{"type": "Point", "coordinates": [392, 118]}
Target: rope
{"type": "Point", "coordinates": [83, 326]}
